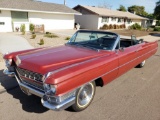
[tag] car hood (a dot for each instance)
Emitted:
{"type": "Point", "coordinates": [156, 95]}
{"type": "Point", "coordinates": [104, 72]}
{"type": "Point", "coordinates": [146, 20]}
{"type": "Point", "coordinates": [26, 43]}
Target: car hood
{"type": "Point", "coordinates": [50, 59]}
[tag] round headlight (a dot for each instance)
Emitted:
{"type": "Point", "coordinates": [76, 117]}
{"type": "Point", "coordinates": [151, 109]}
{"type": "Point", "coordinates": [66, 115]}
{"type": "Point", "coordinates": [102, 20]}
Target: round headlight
{"type": "Point", "coordinates": [49, 89]}
{"type": "Point", "coordinates": [53, 89]}
{"type": "Point", "coordinates": [8, 62]}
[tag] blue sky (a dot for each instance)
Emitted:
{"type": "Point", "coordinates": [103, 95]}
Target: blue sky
{"type": "Point", "coordinates": [149, 4]}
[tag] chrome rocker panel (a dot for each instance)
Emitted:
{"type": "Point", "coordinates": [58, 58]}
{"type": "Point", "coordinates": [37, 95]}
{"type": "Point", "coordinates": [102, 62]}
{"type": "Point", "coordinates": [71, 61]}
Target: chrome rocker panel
{"type": "Point", "coordinates": [56, 107]}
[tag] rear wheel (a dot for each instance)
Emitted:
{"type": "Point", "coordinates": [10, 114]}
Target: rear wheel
{"type": "Point", "coordinates": [141, 64]}
{"type": "Point", "coordinates": [84, 96]}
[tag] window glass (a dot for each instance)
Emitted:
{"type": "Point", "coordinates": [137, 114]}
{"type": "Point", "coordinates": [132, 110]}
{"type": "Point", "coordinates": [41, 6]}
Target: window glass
{"type": "Point", "coordinates": [129, 21]}
{"type": "Point", "coordinates": [94, 40]}
{"type": "Point", "coordinates": [19, 16]}
{"type": "Point", "coordinates": [113, 19]}
{"type": "Point", "coordinates": [105, 19]}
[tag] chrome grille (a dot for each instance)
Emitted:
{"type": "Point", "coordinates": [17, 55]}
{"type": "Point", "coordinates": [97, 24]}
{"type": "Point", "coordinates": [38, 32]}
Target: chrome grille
{"type": "Point", "coordinates": [34, 79]}
{"type": "Point", "coordinates": [29, 74]}
{"type": "Point", "coordinates": [33, 84]}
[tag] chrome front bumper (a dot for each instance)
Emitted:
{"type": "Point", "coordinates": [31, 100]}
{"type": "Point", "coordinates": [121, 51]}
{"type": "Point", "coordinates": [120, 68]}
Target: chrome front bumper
{"type": "Point", "coordinates": [29, 91]}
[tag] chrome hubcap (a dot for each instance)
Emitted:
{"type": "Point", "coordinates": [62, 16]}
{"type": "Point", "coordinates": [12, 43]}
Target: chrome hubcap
{"type": "Point", "coordinates": [85, 95]}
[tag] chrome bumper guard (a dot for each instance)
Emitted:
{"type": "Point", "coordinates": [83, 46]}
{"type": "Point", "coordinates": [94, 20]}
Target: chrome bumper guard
{"type": "Point", "coordinates": [29, 91]}
{"type": "Point", "coordinates": [57, 107]}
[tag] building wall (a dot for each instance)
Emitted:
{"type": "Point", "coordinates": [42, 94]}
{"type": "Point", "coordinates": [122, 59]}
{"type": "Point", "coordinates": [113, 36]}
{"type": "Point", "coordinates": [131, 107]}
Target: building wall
{"type": "Point", "coordinates": [5, 16]}
{"type": "Point", "coordinates": [52, 21]}
{"type": "Point", "coordinates": [100, 23]}
{"type": "Point", "coordinates": [87, 21]}
{"type": "Point", "coordinates": [133, 22]}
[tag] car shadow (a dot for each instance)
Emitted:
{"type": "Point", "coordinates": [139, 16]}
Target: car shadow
{"type": "Point", "coordinates": [29, 103]}
{"type": "Point", "coordinates": [155, 34]}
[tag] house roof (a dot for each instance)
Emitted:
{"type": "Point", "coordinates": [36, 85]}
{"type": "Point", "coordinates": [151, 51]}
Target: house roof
{"type": "Point", "coordinates": [35, 6]}
{"type": "Point", "coordinates": [110, 13]}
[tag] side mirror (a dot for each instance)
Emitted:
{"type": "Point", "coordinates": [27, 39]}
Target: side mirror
{"type": "Point", "coordinates": [121, 49]}
{"type": "Point", "coordinates": [140, 41]}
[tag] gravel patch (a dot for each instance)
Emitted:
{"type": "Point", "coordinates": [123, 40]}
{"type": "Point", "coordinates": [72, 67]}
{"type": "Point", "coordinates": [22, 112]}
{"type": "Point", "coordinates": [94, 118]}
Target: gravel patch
{"type": "Point", "coordinates": [60, 40]}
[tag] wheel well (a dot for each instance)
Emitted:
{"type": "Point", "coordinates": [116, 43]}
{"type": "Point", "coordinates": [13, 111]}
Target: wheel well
{"type": "Point", "coordinates": [99, 82]}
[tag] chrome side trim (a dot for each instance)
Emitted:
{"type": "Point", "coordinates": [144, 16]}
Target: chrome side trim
{"type": "Point", "coordinates": [65, 104]}
{"type": "Point", "coordinates": [127, 63]}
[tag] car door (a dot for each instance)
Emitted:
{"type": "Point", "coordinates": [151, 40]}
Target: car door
{"type": "Point", "coordinates": [145, 50]}
{"type": "Point", "coordinates": [127, 59]}
{"type": "Point", "coordinates": [110, 67]}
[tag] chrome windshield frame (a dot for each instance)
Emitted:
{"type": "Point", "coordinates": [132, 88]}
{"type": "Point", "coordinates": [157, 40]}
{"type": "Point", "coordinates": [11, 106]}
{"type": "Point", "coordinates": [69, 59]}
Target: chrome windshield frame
{"type": "Point", "coordinates": [98, 31]}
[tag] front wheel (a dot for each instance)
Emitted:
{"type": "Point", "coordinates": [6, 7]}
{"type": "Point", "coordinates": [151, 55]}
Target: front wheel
{"type": "Point", "coordinates": [141, 64]}
{"type": "Point", "coordinates": [84, 96]}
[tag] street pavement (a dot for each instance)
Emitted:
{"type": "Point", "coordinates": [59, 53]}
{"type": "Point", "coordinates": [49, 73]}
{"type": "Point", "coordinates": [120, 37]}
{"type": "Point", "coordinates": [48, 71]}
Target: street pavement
{"type": "Point", "coordinates": [133, 96]}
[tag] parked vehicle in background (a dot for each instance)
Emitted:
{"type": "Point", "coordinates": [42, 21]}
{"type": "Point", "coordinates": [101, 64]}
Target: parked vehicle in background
{"type": "Point", "coordinates": [67, 75]}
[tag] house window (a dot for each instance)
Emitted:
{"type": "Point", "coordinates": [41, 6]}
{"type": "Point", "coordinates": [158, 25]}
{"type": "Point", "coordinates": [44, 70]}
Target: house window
{"type": "Point", "coordinates": [113, 19]}
{"type": "Point", "coordinates": [105, 19]}
{"type": "Point", "coordinates": [19, 16]}
{"type": "Point", "coordinates": [129, 21]}
{"type": "Point", "coordinates": [120, 20]}
{"type": "Point", "coordinates": [2, 23]}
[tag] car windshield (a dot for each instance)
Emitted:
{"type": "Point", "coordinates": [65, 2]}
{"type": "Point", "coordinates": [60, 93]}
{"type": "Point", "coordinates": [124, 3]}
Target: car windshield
{"type": "Point", "coordinates": [94, 40]}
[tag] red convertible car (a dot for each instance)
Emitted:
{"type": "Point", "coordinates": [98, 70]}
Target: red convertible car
{"type": "Point", "coordinates": [67, 76]}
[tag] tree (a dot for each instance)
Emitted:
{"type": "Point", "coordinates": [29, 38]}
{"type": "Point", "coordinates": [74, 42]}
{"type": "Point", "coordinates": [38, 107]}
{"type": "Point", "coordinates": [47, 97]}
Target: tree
{"type": "Point", "coordinates": [151, 16]}
{"type": "Point", "coordinates": [157, 10]}
{"type": "Point", "coordinates": [104, 4]}
{"type": "Point", "coordinates": [139, 10]}
{"type": "Point", "coordinates": [122, 8]}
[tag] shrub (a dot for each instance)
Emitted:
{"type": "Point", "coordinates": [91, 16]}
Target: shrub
{"type": "Point", "coordinates": [50, 35]}
{"type": "Point", "coordinates": [136, 26]}
{"type": "Point", "coordinates": [105, 27]}
{"type": "Point", "coordinates": [123, 26]}
{"type": "Point", "coordinates": [117, 26]}
{"type": "Point", "coordinates": [31, 27]}
{"type": "Point", "coordinates": [41, 42]}
{"type": "Point", "coordinates": [34, 36]}
{"type": "Point", "coordinates": [157, 29]}
{"type": "Point", "coordinates": [111, 26]}
{"type": "Point", "coordinates": [158, 23]}
{"type": "Point", "coordinates": [67, 38]}
{"type": "Point", "coordinates": [23, 29]}
{"type": "Point", "coordinates": [114, 26]}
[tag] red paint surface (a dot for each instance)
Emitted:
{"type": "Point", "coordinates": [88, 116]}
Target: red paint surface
{"type": "Point", "coordinates": [74, 66]}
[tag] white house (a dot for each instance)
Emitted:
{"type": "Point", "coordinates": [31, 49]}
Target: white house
{"type": "Point", "coordinates": [94, 17]}
{"type": "Point", "coordinates": [13, 13]}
